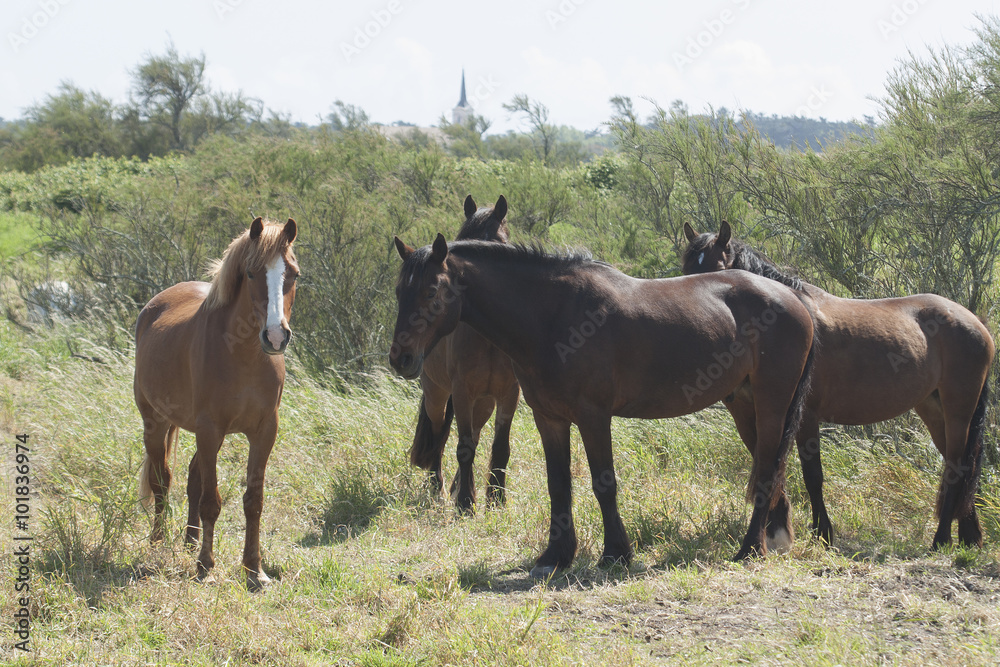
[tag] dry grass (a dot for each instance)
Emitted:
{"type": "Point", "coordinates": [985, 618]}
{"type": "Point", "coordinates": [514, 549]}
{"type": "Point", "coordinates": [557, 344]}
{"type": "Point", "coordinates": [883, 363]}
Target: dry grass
{"type": "Point", "coordinates": [371, 570]}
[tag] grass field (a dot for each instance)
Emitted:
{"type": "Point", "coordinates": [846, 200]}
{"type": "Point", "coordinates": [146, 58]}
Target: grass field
{"type": "Point", "coordinates": [369, 569]}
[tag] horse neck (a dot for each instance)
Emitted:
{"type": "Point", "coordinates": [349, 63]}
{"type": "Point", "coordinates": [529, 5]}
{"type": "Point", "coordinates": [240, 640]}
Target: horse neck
{"type": "Point", "coordinates": [506, 304]}
{"type": "Point", "coordinates": [241, 326]}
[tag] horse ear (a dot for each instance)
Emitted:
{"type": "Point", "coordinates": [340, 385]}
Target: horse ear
{"type": "Point", "coordinates": [470, 207]}
{"type": "Point", "coordinates": [256, 227]}
{"type": "Point", "coordinates": [500, 208]}
{"type": "Point", "coordinates": [404, 250]}
{"type": "Point", "coordinates": [725, 233]}
{"type": "Point", "coordinates": [689, 232]}
{"type": "Point", "coordinates": [291, 229]}
{"type": "Point", "coordinates": [440, 249]}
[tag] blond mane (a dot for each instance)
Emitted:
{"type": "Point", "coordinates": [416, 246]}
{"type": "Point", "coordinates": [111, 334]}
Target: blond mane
{"type": "Point", "coordinates": [243, 255]}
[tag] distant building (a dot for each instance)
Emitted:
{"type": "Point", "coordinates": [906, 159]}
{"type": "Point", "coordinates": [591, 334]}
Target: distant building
{"type": "Point", "coordinates": [463, 110]}
{"type": "Point", "coordinates": [400, 130]}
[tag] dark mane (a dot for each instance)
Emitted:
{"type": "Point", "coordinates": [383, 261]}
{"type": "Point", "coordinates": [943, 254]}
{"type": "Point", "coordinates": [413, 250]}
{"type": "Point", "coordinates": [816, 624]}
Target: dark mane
{"type": "Point", "coordinates": [520, 254]}
{"type": "Point", "coordinates": [478, 228]}
{"type": "Point", "coordinates": [743, 257]}
{"type": "Point", "coordinates": [525, 255]}
{"type": "Point", "coordinates": [748, 259]}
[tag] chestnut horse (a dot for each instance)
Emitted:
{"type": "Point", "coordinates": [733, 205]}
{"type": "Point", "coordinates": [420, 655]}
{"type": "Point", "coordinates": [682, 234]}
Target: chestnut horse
{"type": "Point", "coordinates": [875, 360]}
{"type": "Point", "coordinates": [209, 359]}
{"type": "Point", "coordinates": [464, 378]}
{"type": "Point", "coordinates": [588, 342]}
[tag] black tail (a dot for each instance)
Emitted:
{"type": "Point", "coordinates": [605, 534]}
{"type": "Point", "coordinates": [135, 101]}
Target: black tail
{"type": "Point", "coordinates": [972, 460]}
{"type": "Point", "coordinates": [427, 449]}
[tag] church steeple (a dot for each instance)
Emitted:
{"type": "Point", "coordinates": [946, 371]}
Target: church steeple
{"type": "Point", "coordinates": [462, 102]}
{"type": "Point", "coordinates": [463, 110]}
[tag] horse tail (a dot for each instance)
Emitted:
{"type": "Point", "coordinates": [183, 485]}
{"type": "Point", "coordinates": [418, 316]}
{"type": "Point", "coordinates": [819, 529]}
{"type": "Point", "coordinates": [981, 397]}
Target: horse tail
{"type": "Point", "coordinates": [426, 449]}
{"type": "Point", "coordinates": [972, 459]}
{"type": "Point", "coordinates": [145, 490]}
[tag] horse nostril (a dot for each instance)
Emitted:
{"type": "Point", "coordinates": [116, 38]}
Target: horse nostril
{"type": "Point", "coordinates": [405, 360]}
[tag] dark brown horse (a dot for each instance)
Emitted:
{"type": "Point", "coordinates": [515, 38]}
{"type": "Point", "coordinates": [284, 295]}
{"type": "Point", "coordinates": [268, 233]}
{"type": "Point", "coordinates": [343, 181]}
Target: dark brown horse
{"type": "Point", "coordinates": [875, 360]}
{"type": "Point", "coordinates": [209, 359]}
{"type": "Point", "coordinates": [588, 342]}
{"type": "Point", "coordinates": [464, 377]}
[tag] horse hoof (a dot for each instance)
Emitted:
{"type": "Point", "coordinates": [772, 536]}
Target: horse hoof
{"type": "Point", "coordinates": [256, 581]}
{"type": "Point", "coordinates": [608, 562]}
{"type": "Point", "coordinates": [780, 542]}
{"type": "Point", "coordinates": [205, 577]}
{"type": "Point", "coordinates": [542, 572]}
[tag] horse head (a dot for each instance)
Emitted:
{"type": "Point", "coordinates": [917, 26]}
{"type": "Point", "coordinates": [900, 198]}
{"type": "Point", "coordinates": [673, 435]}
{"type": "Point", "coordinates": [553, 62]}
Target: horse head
{"type": "Point", "coordinates": [707, 252]}
{"type": "Point", "coordinates": [271, 281]}
{"type": "Point", "coordinates": [429, 307]}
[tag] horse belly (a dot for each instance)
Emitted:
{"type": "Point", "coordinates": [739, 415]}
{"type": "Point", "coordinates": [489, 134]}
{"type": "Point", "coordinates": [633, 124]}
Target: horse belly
{"type": "Point", "coordinates": [689, 384]}
{"type": "Point", "coordinates": [870, 378]}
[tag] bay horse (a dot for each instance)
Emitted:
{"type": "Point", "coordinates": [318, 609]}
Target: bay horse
{"type": "Point", "coordinates": [876, 359]}
{"type": "Point", "coordinates": [463, 378]}
{"type": "Point", "coordinates": [209, 359]}
{"type": "Point", "coordinates": [588, 342]}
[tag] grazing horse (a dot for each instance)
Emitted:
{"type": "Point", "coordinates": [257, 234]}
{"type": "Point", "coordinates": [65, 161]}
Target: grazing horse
{"type": "Point", "coordinates": [876, 359]}
{"type": "Point", "coordinates": [588, 342]}
{"type": "Point", "coordinates": [209, 359]}
{"type": "Point", "coordinates": [464, 378]}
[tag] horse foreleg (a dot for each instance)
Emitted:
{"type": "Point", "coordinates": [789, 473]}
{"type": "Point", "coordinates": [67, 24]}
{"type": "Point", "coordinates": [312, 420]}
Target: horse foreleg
{"type": "Point", "coordinates": [469, 418]}
{"type": "Point", "coordinates": [193, 528]}
{"type": "Point", "coordinates": [562, 533]}
{"type": "Point", "coordinates": [496, 488]}
{"type": "Point", "coordinates": [596, 434]}
{"type": "Point", "coordinates": [261, 444]}
{"type": "Point", "coordinates": [208, 440]}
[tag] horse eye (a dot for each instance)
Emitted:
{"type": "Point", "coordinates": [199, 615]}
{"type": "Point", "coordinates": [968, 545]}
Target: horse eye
{"type": "Point", "coordinates": [249, 275]}
{"type": "Point", "coordinates": [432, 292]}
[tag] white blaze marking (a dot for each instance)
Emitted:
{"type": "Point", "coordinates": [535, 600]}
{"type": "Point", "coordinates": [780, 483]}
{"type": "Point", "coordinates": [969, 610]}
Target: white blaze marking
{"type": "Point", "coordinates": [701, 258]}
{"type": "Point", "coordinates": [275, 302]}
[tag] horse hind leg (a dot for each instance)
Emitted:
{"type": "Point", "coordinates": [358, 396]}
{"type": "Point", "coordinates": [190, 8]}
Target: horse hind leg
{"type": "Point", "coordinates": [434, 418]}
{"type": "Point", "coordinates": [159, 436]}
{"type": "Point", "coordinates": [807, 441]}
{"type": "Point", "coordinates": [210, 502]}
{"type": "Point", "coordinates": [741, 406]}
{"type": "Point", "coordinates": [963, 425]}
{"type": "Point", "coordinates": [496, 488]}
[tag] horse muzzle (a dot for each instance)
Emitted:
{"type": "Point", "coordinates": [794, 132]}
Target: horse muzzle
{"type": "Point", "coordinates": [275, 340]}
{"type": "Point", "coordinates": [407, 365]}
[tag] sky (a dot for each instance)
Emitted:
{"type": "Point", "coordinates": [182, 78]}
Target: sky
{"type": "Point", "coordinates": [402, 60]}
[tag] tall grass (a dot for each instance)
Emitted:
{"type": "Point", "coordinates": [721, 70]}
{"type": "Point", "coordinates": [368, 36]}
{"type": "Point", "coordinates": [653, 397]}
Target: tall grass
{"type": "Point", "coordinates": [370, 568]}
